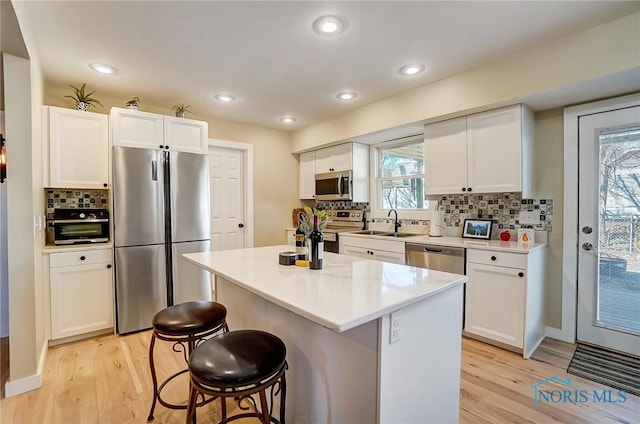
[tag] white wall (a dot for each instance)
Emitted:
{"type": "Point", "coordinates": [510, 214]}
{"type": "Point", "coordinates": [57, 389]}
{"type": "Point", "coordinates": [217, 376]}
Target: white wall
{"type": "Point", "coordinates": [4, 275]}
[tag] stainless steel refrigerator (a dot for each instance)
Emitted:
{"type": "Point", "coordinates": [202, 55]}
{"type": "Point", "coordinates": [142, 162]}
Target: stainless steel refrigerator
{"type": "Point", "coordinates": [161, 210]}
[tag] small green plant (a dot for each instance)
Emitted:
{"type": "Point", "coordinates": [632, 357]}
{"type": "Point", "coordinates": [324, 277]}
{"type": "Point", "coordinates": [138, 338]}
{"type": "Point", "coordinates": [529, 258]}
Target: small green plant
{"type": "Point", "coordinates": [80, 96]}
{"type": "Point", "coordinates": [180, 108]}
{"type": "Point", "coordinates": [135, 101]}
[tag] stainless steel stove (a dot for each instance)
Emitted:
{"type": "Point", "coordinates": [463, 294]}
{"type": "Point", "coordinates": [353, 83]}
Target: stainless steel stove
{"type": "Point", "coordinates": [339, 221]}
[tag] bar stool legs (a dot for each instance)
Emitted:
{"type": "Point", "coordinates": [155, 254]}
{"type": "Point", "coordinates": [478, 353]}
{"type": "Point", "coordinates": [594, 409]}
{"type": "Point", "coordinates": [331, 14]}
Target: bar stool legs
{"type": "Point", "coordinates": [185, 325]}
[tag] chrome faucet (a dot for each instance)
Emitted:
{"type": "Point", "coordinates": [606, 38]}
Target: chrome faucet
{"type": "Point", "coordinates": [396, 224]}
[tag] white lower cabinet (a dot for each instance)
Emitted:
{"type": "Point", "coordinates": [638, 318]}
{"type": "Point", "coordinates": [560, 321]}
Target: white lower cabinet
{"type": "Point", "coordinates": [81, 292]}
{"type": "Point", "coordinates": [504, 298]}
{"type": "Point", "coordinates": [376, 249]}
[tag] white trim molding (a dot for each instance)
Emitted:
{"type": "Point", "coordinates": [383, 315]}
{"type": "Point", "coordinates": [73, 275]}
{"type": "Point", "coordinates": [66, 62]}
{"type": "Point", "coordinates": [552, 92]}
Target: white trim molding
{"type": "Point", "coordinates": [247, 149]}
{"type": "Point", "coordinates": [570, 215]}
{"type": "Point", "coordinates": [32, 382]}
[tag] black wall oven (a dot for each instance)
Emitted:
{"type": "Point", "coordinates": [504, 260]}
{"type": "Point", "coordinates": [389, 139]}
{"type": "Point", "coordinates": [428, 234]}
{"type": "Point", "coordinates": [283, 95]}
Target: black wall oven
{"type": "Point", "coordinates": [74, 226]}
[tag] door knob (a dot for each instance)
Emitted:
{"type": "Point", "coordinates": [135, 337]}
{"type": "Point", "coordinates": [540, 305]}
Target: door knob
{"type": "Point", "coordinates": [240, 225]}
{"type": "Point", "coordinates": [587, 230]}
{"type": "Point", "coordinates": [587, 246]}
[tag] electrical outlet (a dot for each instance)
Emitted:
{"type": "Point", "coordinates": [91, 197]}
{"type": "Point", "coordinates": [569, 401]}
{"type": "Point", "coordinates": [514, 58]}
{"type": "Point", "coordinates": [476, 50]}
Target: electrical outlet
{"type": "Point", "coordinates": [530, 218]}
{"type": "Point", "coordinates": [395, 324]}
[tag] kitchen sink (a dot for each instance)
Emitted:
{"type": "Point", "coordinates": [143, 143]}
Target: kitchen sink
{"type": "Point", "coordinates": [371, 233]}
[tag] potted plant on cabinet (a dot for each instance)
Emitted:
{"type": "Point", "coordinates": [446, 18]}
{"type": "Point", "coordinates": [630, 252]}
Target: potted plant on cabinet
{"type": "Point", "coordinates": [180, 109]}
{"type": "Point", "coordinates": [83, 100]}
{"type": "Point", "coordinates": [134, 103]}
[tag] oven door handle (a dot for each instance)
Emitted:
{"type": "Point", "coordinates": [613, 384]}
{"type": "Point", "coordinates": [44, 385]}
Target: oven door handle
{"type": "Point", "coordinates": [79, 221]}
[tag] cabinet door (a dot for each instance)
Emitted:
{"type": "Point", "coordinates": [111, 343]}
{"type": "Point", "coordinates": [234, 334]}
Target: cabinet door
{"type": "Point", "coordinates": [81, 299]}
{"type": "Point", "coordinates": [393, 257]}
{"type": "Point", "coordinates": [494, 303]}
{"type": "Point", "coordinates": [445, 157]}
{"type": "Point", "coordinates": [133, 128]}
{"type": "Point", "coordinates": [358, 252]}
{"type": "Point", "coordinates": [78, 149]}
{"type": "Point", "coordinates": [307, 173]}
{"type": "Point", "coordinates": [333, 159]}
{"type": "Point", "coordinates": [186, 135]}
{"type": "Point", "coordinates": [495, 150]}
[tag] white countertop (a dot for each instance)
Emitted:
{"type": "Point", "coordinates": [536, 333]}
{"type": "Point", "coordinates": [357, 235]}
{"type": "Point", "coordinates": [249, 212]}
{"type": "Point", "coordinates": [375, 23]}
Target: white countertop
{"type": "Point", "coordinates": [346, 293]}
{"type": "Point", "coordinates": [498, 245]}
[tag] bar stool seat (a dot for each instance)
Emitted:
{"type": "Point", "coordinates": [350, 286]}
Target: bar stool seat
{"type": "Point", "coordinates": [238, 364]}
{"type": "Point", "coordinates": [185, 325]}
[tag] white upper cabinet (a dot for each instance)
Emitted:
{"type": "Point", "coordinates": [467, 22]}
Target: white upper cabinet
{"type": "Point", "coordinates": [335, 158]}
{"type": "Point", "coordinates": [133, 128]}
{"type": "Point", "coordinates": [185, 135]}
{"type": "Point", "coordinates": [307, 175]}
{"type": "Point", "coordinates": [78, 151]}
{"type": "Point", "coordinates": [445, 155]}
{"type": "Point", "coordinates": [488, 152]}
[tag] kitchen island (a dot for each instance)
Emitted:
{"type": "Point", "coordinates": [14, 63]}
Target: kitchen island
{"type": "Point", "coordinates": [367, 341]}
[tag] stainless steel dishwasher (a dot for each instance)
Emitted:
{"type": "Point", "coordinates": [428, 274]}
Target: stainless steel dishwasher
{"type": "Point", "coordinates": [439, 258]}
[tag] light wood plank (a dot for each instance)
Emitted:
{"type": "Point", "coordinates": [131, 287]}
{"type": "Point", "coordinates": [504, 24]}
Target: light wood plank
{"type": "Point", "coordinates": [107, 380]}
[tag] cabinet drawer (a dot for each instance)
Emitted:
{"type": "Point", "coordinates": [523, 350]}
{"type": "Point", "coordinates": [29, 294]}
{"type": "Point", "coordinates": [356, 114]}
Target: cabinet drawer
{"type": "Point", "coordinates": [488, 257]}
{"type": "Point", "coordinates": [76, 258]}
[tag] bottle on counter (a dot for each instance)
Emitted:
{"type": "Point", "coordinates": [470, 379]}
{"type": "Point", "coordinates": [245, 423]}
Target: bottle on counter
{"type": "Point", "coordinates": [301, 243]}
{"type": "Point", "coordinates": [317, 245]}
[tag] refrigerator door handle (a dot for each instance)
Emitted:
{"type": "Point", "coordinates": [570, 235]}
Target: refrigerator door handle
{"type": "Point", "coordinates": [154, 170]}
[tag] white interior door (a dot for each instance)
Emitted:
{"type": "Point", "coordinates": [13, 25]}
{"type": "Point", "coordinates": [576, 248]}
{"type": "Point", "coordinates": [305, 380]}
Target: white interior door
{"type": "Point", "coordinates": [227, 198]}
{"type": "Point", "coordinates": [609, 230]}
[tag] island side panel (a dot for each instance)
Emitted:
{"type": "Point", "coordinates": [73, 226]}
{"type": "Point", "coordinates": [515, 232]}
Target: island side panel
{"type": "Point", "coordinates": [420, 372]}
{"type": "Point", "coordinates": [332, 377]}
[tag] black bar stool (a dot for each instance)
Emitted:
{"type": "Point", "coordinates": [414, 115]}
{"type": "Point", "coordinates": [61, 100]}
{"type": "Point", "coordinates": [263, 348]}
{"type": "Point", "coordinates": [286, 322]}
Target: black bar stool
{"type": "Point", "coordinates": [185, 325]}
{"type": "Point", "coordinates": [237, 365]}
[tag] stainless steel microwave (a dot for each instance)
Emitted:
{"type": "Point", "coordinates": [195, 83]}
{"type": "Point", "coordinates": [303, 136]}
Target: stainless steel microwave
{"type": "Point", "coordinates": [334, 186]}
{"type": "Point", "coordinates": [73, 226]}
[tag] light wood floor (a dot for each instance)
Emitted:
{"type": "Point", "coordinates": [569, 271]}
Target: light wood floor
{"type": "Point", "coordinates": [106, 380]}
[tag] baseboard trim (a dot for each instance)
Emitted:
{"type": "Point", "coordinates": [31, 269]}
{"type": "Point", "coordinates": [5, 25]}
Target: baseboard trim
{"type": "Point", "coordinates": [558, 334]}
{"type": "Point", "coordinates": [32, 382]}
{"type": "Point", "coordinates": [23, 385]}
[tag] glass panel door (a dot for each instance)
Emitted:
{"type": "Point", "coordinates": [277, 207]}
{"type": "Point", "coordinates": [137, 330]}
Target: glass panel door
{"type": "Point", "coordinates": [609, 219]}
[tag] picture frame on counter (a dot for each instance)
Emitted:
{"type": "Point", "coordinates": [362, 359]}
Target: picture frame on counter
{"type": "Point", "coordinates": [477, 229]}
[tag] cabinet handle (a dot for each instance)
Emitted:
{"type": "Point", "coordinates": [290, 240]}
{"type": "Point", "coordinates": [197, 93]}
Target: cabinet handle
{"type": "Point", "coordinates": [469, 189]}
{"type": "Point", "coordinates": [464, 189]}
{"type": "Point", "coordinates": [109, 266]}
{"type": "Point", "coordinates": [161, 146]}
{"type": "Point", "coordinates": [493, 258]}
{"type": "Point", "coordinates": [521, 274]}
{"type": "Point", "coordinates": [105, 185]}
{"type": "Point", "coordinates": [166, 147]}
{"type": "Point", "coordinates": [82, 258]}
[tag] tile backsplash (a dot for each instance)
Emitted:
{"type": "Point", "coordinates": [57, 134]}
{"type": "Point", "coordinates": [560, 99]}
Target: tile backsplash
{"type": "Point", "coordinates": [74, 199]}
{"type": "Point", "coordinates": [503, 208]}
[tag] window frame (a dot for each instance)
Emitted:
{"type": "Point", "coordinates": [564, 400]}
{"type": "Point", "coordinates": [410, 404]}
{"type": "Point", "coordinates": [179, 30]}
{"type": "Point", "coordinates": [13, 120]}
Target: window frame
{"type": "Point", "coordinates": [376, 171]}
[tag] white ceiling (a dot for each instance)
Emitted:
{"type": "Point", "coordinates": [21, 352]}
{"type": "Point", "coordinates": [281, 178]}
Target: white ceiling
{"type": "Point", "coordinates": [266, 54]}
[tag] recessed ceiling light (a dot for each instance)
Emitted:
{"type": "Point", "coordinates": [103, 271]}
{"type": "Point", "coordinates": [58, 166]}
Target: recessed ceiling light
{"type": "Point", "coordinates": [411, 69]}
{"type": "Point", "coordinates": [103, 69]}
{"type": "Point", "coordinates": [329, 25]}
{"type": "Point", "coordinates": [288, 119]}
{"type": "Point", "coordinates": [224, 97]}
{"type": "Point", "coordinates": [346, 95]}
